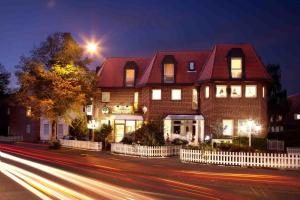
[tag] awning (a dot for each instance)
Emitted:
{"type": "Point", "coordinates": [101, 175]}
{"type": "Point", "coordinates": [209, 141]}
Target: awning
{"type": "Point", "coordinates": [128, 117]}
{"type": "Point", "coordinates": [184, 117]}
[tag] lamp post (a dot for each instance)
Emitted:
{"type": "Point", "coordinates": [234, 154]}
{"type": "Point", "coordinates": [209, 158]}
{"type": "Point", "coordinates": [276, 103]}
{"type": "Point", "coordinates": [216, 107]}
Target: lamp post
{"type": "Point", "coordinates": [251, 127]}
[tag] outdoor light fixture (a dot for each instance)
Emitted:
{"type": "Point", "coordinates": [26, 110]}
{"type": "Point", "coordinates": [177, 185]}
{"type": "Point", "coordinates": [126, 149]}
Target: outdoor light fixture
{"type": "Point", "coordinates": [92, 47]}
{"type": "Point", "coordinates": [145, 109]}
{"type": "Point", "coordinates": [251, 127]}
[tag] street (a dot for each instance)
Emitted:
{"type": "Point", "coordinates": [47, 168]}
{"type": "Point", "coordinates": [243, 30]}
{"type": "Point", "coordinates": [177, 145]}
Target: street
{"type": "Point", "coordinates": [33, 171]}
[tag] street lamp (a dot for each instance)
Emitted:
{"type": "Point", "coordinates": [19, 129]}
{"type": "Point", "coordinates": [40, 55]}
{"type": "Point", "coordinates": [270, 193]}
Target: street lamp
{"type": "Point", "coordinates": [251, 127]}
{"type": "Point", "coordinates": [92, 47]}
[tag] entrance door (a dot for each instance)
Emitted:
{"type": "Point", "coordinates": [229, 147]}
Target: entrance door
{"type": "Point", "coordinates": [119, 132]}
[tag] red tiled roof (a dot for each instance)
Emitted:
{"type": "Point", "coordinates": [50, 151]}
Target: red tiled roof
{"type": "Point", "coordinates": [216, 67]}
{"type": "Point", "coordinates": [295, 103]}
{"type": "Point", "coordinates": [111, 73]}
{"type": "Point", "coordinates": [153, 72]}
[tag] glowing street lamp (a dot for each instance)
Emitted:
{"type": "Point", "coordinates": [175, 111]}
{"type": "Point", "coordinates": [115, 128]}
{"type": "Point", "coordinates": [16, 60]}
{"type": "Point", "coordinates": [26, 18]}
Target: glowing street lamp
{"type": "Point", "coordinates": [251, 127]}
{"type": "Point", "coordinates": [92, 47]}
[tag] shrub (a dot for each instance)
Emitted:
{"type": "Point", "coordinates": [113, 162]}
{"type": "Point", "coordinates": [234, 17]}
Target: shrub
{"type": "Point", "coordinates": [201, 146]}
{"type": "Point", "coordinates": [241, 141]}
{"type": "Point", "coordinates": [234, 147]}
{"type": "Point", "coordinates": [259, 143]}
{"type": "Point", "coordinates": [102, 133]}
{"type": "Point", "coordinates": [55, 145]}
{"type": "Point", "coordinates": [149, 134]}
{"type": "Point", "coordinates": [127, 139]}
{"type": "Point", "coordinates": [179, 141]}
{"type": "Point", "coordinates": [78, 128]}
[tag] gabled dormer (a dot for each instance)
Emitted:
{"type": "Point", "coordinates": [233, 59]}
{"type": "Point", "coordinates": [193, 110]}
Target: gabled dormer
{"type": "Point", "coordinates": [130, 74]}
{"type": "Point", "coordinates": [169, 69]}
{"type": "Point", "coordinates": [236, 63]}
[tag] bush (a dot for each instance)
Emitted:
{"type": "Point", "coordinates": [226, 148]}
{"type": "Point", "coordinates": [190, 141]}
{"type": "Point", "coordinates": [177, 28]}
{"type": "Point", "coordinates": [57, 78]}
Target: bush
{"type": "Point", "coordinates": [179, 141]}
{"type": "Point", "coordinates": [259, 143]}
{"type": "Point", "coordinates": [78, 128]}
{"type": "Point", "coordinates": [102, 133]}
{"type": "Point", "coordinates": [201, 146]}
{"type": "Point", "coordinates": [55, 145]}
{"type": "Point", "coordinates": [149, 134]}
{"type": "Point", "coordinates": [241, 141]}
{"type": "Point", "coordinates": [234, 147]}
{"type": "Point", "coordinates": [127, 139]}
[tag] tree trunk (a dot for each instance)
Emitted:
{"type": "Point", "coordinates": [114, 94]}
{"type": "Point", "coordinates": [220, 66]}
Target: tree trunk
{"type": "Point", "coordinates": [53, 131]}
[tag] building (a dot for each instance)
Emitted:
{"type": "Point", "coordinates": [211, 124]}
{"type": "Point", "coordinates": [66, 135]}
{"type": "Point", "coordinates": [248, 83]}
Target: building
{"type": "Point", "coordinates": [292, 121]}
{"type": "Point", "coordinates": [191, 91]}
{"type": "Point", "coordinates": [17, 121]}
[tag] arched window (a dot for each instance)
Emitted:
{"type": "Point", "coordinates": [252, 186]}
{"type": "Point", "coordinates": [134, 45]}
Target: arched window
{"type": "Point", "coordinates": [169, 69]}
{"type": "Point", "coordinates": [236, 62]}
{"type": "Point", "coordinates": [130, 71]}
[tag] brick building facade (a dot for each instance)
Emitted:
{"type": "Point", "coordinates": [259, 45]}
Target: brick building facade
{"type": "Point", "coordinates": [191, 91]}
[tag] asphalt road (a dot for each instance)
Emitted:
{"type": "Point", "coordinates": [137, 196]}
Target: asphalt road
{"type": "Point", "coordinates": [75, 174]}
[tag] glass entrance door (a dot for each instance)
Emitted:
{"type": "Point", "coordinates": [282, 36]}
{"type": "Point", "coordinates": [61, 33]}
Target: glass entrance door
{"type": "Point", "coordinates": [119, 132]}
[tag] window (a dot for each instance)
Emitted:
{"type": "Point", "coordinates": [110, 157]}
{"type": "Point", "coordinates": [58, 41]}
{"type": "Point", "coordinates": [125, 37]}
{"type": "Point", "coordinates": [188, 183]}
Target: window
{"type": "Point", "coordinates": [156, 94]}
{"type": "Point", "coordinates": [297, 116]}
{"type": "Point", "coordinates": [241, 127]}
{"type": "Point", "coordinates": [250, 91]}
{"type": "Point", "coordinates": [263, 92]}
{"type": "Point", "coordinates": [46, 129]}
{"type": "Point", "coordinates": [105, 97]}
{"type": "Point", "coordinates": [136, 100]}
{"type": "Point", "coordinates": [236, 91]}
{"type": "Point", "coordinates": [191, 66]}
{"type": "Point", "coordinates": [28, 111]}
{"type": "Point", "coordinates": [129, 81]}
{"type": "Point", "coordinates": [60, 129]}
{"type": "Point", "coordinates": [228, 127]}
{"type": "Point", "coordinates": [169, 73]}
{"type": "Point", "coordinates": [8, 111]}
{"type": "Point", "coordinates": [176, 94]}
{"type": "Point", "coordinates": [195, 99]}
{"type": "Point", "coordinates": [221, 91]}
{"type": "Point", "coordinates": [129, 126]}
{"type": "Point", "coordinates": [28, 128]}
{"type": "Point", "coordinates": [176, 127]}
{"type": "Point", "coordinates": [206, 92]}
{"type": "Point", "coordinates": [236, 67]}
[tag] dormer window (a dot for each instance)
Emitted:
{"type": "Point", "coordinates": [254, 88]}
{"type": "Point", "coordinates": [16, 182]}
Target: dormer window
{"type": "Point", "coordinates": [169, 73]}
{"type": "Point", "coordinates": [191, 66]}
{"type": "Point", "coordinates": [169, 69]}
{"type": "Point", "coordinates": [130, 73]}
{"type": "Point", "coordinates": [130, 76]}
{"type": "Point", "coordinates": [236, 67]}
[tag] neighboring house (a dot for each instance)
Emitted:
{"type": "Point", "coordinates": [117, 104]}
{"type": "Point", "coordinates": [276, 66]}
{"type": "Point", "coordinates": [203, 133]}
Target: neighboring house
{"type": "Point", "coordinates": [191, 91]}
{"type": "Point", "coordinates": [17, 121]}
{"type": "Point", "coordinates": [292, 121]}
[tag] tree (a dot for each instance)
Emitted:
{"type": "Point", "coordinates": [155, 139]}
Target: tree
{"type": "Point", "coordinates": [4, 80]}
{"type": "Point", "coordinates": [79, 128]}
{"type": "Point", "coordinates": [54, 80]}
{"type": "Point", "coordinates": [217, 130]}
{"type": "Point", "coordinates": [277, 96]}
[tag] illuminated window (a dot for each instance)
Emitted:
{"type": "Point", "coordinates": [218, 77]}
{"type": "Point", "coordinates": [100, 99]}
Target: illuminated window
{"type": "Point", "coordinates": [169, 73]}
{"type": "Point", "coordinates": [176, 94]}
{"type": "Point", "coordinates": [241, 127]}
{"type": "Point", "coordinates": [105, 97]}
{"type": "Point", "coordinates": [192, 66]}
{"type": "Point", "coordinates": [206, 92]}
{"type": "Point", "coordinates": [130, 126]}
{"type": "Point", "coordinates": [297, 116]}
{"type": "Point", "coordinates": [136, 101]}
{"type": "Point", "coordinates": [156, 94]}
{"type": "Point", "coordinates": [236, 67]}
{"type": "Point", "coordinates": [28, 128]}
{"type": "Point", "coordinates": [236, 91]}
{"type": "Point", "coordinates": [221, 91]}
{"type": "Point", "coordinates": [228, 127]}
{"type": "Point", "coordinates": [263, 92]}
{"type": "Point", "coordinates": [250, 91]}
{"type": "Point", "coordinates": [28, 111]}
{"type": "Point", "coordinates": [130, 73]}
{"type": "Point", "coordinates": [195, 99]}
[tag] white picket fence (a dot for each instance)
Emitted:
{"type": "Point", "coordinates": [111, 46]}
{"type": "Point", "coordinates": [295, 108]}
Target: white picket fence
{"type": "Point", "coordinates": [269, 160]}
{"type": "Point", "coordinates": [294, 150]}
{"type": "Point", "coordinates": [11, 138]}
{"type": "Point", "coordinates": [77, 144]}
{"type": "Point", "coordinates": [145, 151]}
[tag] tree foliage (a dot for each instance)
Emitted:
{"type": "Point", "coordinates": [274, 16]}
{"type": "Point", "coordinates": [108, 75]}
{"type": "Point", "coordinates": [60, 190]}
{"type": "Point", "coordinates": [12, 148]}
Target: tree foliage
{"type": "Point", "coordinates": [54, 80]}
{"type": "Point", "coordinates": [4, 80]}
{"type": "Point", "coordinates": [277, 96]}
{"type": "Point", "coordinates": [78, 128]}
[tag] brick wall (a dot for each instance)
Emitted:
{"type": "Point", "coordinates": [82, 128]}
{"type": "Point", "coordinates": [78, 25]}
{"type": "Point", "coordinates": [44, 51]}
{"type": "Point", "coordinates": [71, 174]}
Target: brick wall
{"type": "Point", "coordinates": [216, 109]}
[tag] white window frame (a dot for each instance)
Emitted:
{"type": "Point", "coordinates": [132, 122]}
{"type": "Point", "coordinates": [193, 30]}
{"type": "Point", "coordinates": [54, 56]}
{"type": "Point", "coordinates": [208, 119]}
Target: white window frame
{"type": "Point", "coordinates": [175, 92]}
{"type": "Point", "coordinates": [154, 93]}
{"type": "Point", "coordinates": [217, 91]}
{"type": "Point", "coordinates": [45, 129]}
{"type": "Point", "coordinates": [206, 92]}
{"type": "Point", "coordinates": [189, 69]}
{"type": "Point", "coordinates": [231, 90]}
{"type": "Point", "coordinates": [105, 97]}
{"type": "Point", "coordinates": [246, 91]}
{"type": "Point", "coordinates": [194, 99]}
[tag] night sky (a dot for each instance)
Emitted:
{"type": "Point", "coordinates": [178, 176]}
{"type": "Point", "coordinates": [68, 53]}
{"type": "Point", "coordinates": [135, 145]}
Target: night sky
{"type": "Point", "coordinates": [139, 28]}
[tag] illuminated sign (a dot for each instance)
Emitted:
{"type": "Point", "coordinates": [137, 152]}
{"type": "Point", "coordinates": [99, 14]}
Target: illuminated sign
{"type": "Point", "coordinates": [119, 109]}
